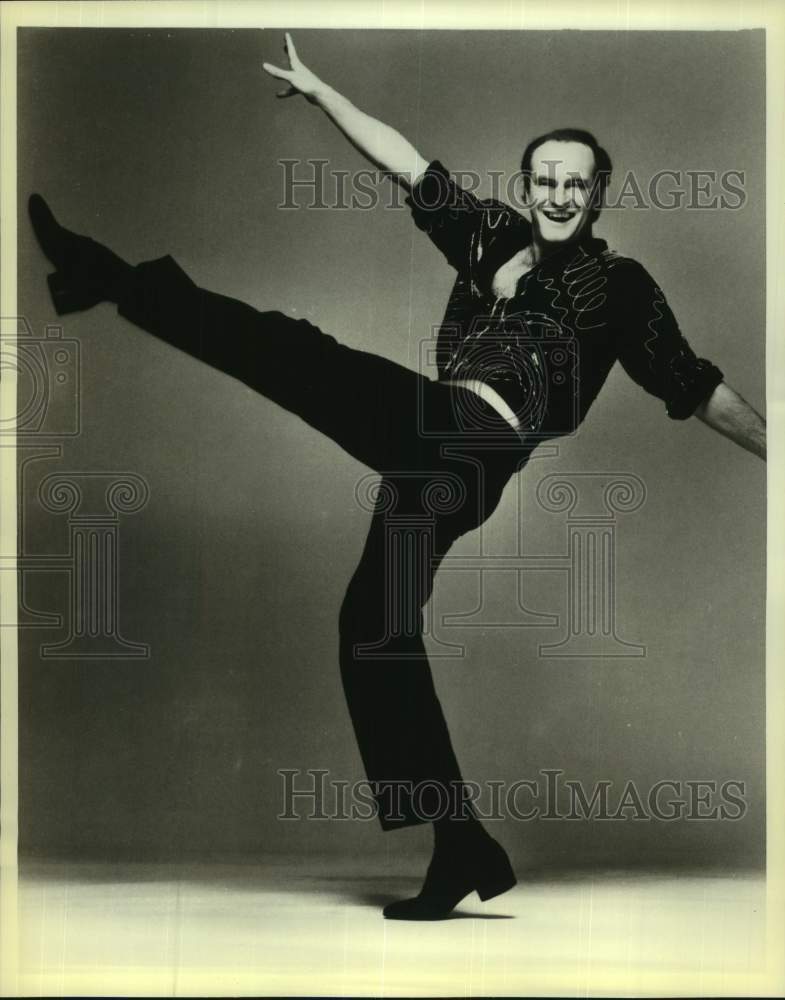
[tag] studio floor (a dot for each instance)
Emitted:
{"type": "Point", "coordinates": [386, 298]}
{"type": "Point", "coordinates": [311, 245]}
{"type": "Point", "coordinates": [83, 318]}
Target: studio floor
{"type": "Point", "coordinates": [300, 926]}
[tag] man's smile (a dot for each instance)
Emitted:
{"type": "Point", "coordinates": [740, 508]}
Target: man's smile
{"type": "Point", "coordinates": [559, 215]}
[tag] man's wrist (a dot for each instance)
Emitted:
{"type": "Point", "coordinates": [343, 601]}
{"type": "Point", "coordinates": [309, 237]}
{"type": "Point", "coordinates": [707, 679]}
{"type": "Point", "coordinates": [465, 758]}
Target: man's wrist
{"type": "Point", "coordinates": [325, 97]}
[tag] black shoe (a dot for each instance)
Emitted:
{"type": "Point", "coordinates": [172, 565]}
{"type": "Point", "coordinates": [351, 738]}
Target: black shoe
{"type": "Point", "coordinates": [483, 868]}
{"type": "Point", "coordinates": [87, 272]}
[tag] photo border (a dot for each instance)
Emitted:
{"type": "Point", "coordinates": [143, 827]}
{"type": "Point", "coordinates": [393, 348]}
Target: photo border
{"type": "Point", "coordinates": [428, 14]}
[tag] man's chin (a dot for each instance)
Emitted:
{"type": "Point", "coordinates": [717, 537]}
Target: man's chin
{"type": "Point", "coordinates": [553, 234]}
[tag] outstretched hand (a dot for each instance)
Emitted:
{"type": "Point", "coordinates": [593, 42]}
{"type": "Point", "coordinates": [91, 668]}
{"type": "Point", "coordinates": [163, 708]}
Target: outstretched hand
{"type": "Point", "coordinates": [299, 78]}
{"type": "Point", "coordinates": [381, 145]}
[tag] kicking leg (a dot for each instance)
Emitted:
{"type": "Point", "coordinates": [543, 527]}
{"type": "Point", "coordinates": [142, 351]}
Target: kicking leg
{"type": "Point", "coordinates": [370, 406]}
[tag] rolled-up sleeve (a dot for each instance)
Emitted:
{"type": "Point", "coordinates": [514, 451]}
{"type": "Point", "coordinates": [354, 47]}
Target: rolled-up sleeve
{"type": "Point", "coordinates": [651, 347]}
{"type": "Point", "coordinates": [449, 214]}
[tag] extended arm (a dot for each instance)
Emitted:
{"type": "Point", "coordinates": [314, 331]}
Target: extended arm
{"type": "Point", "coordinates": [381, 145]}
{"type": "Point", "coordinates": [656, 355]}
{"type": "Point", "coordinates": [733, 417]}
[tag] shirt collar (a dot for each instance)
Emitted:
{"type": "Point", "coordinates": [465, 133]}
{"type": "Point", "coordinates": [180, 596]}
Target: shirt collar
{"type": "Point", "coordinates": [517, 237]}
{"type": "Point", "coordinates": [590, 245]}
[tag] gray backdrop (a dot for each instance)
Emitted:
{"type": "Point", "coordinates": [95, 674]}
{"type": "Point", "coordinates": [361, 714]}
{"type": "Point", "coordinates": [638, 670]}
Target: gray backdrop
{"type": "Point", "coordinates": [167, 142]}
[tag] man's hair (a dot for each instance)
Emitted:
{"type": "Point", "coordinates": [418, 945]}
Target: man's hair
{"type": "Point", "coordinates": [602, 161]}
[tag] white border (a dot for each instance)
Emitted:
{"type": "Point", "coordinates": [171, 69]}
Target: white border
{"type": "Point", "coordinates": [499, 15]}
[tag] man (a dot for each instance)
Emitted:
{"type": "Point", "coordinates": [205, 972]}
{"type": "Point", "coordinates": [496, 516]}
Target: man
{"type": "Point", "coordinates": [539, 313]}
{"type": "Point", "coordinates": [564, 175]}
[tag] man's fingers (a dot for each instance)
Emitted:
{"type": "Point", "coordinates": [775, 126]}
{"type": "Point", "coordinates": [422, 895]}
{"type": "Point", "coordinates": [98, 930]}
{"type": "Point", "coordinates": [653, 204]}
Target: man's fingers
{"type": "Point", "coordinates": [276, 71]}
{"type": "Point", "coordinates": [289, 75]}
{"type": "Point", "coordinates": [291, 51]}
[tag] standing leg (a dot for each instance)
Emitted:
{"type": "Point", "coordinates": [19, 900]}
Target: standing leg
{"type": "Point", "coordinates": [396, 713]}
{"type": "Point", "coordinates": [397, 716]}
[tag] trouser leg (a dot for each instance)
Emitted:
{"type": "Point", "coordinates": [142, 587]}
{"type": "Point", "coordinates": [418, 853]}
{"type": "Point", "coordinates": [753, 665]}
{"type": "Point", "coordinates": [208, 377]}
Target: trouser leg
{"type": "Point", "coordinates": [367, 404]}
{"type": "Point", "coordinates": [396, 712]}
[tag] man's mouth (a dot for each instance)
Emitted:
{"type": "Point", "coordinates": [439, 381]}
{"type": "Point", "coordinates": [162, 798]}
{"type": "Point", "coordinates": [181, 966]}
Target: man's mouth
{"type": "Point", "coordinates": [558, 215]}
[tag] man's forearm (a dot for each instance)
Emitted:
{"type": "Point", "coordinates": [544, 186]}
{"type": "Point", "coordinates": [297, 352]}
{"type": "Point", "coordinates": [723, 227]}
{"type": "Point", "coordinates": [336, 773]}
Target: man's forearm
{"type": "Point", "coordinates": [732, 416]}
{"type": "Point", "coordinates": [382, 145]}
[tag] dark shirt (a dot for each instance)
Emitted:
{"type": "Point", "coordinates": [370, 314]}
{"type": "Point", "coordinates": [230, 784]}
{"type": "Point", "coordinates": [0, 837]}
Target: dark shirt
{"type": "Point", "coordinates": [548, 349]}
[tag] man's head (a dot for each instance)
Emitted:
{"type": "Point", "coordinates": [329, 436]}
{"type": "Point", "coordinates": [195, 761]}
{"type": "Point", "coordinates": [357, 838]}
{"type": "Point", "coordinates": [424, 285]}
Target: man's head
{"type": "Point", "coordinates": [565, 174]}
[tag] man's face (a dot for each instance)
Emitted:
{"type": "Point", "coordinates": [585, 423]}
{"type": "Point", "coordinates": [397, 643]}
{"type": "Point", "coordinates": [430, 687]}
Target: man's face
{"type": "Point", "coordinates": [559, 191]}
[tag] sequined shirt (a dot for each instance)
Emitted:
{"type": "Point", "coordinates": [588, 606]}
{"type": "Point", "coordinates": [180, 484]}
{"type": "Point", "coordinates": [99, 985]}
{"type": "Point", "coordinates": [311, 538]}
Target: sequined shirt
{"type": "Point", "coordinates": [549, 347]}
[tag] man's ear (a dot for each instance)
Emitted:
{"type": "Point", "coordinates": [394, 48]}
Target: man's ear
{"type": "Point", "coordinates": [599, 194]}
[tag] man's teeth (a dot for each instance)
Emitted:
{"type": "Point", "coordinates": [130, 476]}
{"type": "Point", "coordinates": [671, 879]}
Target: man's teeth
{"type": "Point", "coordinates": [559, 216]}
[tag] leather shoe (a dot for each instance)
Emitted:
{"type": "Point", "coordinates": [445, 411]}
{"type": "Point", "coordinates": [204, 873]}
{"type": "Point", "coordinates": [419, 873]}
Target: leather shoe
{"type": "Point", "coordinates": [87, 272]}
{"type": "Point", "coordinates": [452, 875]}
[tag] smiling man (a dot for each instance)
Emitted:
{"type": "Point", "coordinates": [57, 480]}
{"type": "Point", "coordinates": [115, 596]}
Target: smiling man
{"type": "Point", "coordinates": [565, 174]}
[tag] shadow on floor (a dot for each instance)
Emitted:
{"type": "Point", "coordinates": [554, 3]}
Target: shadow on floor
{"type": "Point", "coordinates": [376, 885]}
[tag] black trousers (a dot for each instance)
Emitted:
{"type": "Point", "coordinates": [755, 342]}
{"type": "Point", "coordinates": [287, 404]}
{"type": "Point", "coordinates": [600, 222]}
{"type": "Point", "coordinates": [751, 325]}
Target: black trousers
{"type": "Point", "coordinates": [444, 456]}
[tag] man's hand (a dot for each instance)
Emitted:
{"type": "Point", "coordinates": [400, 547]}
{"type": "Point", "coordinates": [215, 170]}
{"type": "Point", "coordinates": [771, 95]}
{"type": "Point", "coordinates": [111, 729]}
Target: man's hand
{"type": "Point", "coordinates": [300, 79]}
{"type": "Point", "coordinates": [381, 145]}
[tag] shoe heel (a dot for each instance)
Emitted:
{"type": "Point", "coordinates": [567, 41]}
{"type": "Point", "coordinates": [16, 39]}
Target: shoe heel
{"type": "Point", "coordinates": [65, 297]}
{"type": "Point", "coordinates": [496, 886]}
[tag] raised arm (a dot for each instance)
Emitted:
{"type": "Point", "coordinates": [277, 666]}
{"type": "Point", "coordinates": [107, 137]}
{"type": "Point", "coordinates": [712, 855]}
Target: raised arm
{"type": "Point", "coordinates": [732, 416]}
{"type": "Point", "coordinates": [381, 145]}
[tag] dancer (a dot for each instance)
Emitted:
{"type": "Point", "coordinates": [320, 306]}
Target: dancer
{"type": "Point", "coordinates": [538, 315]}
